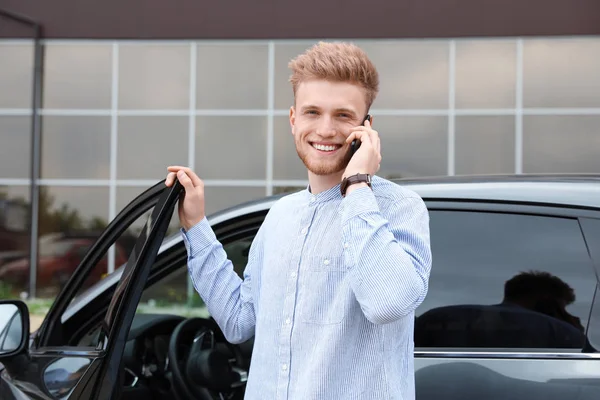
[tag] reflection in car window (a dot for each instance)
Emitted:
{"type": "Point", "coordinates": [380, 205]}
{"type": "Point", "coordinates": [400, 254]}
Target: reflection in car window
{"type": "Point", "coordinates": [10, 328]}
{"type": "Point", "coordinates": [594, 325]}
{"type": "Point", "coordinates": [505, 281]}
{"type": "Point", "coordinates": [61, 376]}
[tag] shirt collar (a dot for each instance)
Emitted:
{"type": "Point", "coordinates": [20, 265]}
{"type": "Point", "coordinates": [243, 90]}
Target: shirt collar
{"type": "Point", "coordinates": [325, 196]}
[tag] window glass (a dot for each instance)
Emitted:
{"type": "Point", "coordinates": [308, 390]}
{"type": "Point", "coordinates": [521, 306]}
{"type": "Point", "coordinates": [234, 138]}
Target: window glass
{"type": "Point", "coordinates": [561, 73]}
{"type": "Point", "coordinates": [485, 145]}
{"type": "Point", "coordinates": [505, 281]}
{"type": "Point", "coordinates": [561, 144]}
{"type": "Point", "coordinates": [15, 144]}
{"type": "Point", "coordinates": [16, 74]}
{"type": "Point", "coordinates": [78, 76]}
{"type": "Point", "coordinates": [75, 147]}
{"type": "Point", "coordinates": [486, 73]}
{"type": "Point", "coordinates": [594, 325]}
{"type": "Point", "coordinates": [113, 258]}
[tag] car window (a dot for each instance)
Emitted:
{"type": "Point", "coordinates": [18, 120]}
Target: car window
{"type": "Point", "coordinates": [175, 295]}
{"type": "Point", "coordinates": [505, 281]}
{"type": "Point", "coordinates": [594, 326]}
{"type": "Point", "coordinates": [86, 332]}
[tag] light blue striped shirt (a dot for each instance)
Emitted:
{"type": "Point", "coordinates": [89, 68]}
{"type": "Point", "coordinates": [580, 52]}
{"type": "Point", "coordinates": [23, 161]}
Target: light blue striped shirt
{"type": "Point", "coordinates": [329, 293]}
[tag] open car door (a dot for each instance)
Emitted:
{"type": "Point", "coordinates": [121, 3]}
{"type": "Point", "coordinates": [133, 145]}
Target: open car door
{"type": "Point", "coordinates": [94, 371]}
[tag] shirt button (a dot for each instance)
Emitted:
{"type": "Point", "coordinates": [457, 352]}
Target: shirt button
{"type": "Point", "coordinates": [326, 262]}
{"type": "Point", "coordinates": [312, 199]}
{"type": "Point", "coordinates": [284, 367]}
{"type": "Point", "coordinates": [346, 245]}
{"type": "Point", "coordinates": [288, 321]}
{"type": "Point", "coordinates": [304, 230]}
{"type": "Point", "coordinates": [293, 275]}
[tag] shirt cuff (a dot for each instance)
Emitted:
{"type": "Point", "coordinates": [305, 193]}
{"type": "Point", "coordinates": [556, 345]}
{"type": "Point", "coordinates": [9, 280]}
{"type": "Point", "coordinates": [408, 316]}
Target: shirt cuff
{"type": "Point", "coordinates": [199, 237]}
{"type": "Point", "coordinates": [359, 201]}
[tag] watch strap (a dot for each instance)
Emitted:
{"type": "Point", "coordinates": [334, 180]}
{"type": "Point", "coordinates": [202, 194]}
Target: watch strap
{"type": "Point", "coordinates": [353, 179]}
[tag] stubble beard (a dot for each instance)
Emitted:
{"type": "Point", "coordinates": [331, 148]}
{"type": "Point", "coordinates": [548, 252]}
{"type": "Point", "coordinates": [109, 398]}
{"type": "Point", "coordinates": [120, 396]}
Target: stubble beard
{"type": "Point", "coordinates": [322, 168]}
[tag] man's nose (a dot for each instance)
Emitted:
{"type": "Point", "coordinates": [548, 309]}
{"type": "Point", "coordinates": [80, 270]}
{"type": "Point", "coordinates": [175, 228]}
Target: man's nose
{"type": "Point", "coordinates": [326, 126]}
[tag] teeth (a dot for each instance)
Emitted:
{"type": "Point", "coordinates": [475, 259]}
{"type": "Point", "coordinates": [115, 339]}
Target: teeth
{"type": "Point", "coordinates": [324, 148]}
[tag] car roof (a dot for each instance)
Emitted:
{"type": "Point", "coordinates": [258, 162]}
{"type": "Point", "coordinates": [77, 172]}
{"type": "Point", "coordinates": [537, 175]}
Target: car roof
{"type": "Point", "coordinates": [572, 190]}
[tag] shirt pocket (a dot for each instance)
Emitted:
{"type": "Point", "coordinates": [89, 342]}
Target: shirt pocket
{"type": "Point", "coordinates": [325, 291]}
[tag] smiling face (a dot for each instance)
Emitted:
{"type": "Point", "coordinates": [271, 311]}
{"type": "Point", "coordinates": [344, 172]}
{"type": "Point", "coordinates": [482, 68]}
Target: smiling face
{"type": "Point", "coordinates": [323, 116]}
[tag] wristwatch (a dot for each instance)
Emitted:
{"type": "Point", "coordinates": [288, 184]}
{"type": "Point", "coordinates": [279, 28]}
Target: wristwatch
{"type": "Point", "coordinates": [352, 179]}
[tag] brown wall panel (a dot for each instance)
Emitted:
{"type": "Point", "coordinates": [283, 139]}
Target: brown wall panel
{"type": "Point", "coordinates": [263, 19]}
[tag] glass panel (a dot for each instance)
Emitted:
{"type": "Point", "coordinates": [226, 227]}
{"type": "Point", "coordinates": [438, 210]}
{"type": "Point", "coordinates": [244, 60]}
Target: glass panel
{"type": "Point", "coordinates": [76, 147]}
{"type": "Point", "coordinates": [413, 74]}
{"type": "Point", "coordinates": [61, 376]}
{"type": "Point", "coordinates": [232, 76]}
{"type": "Point", "coordinates": [485, 74]}
{"type": "Point", "coordinates": [14, 240]}
{"type": "Point", "coordinates": [412, 146]}
{"type": "Point", "coordinates": [482, 292]}
{"type": "Point", "coordinates": [153, 76]}
{"type": "Point", "coordinates": [70, 220]}
{"type": "Point", "coordinates": [219, 198]}
{"type": "Point", "coordinates": [561, 144]}
{"type": "Point", "coordinates": [162, 141]}
{"type": "Point", "coordinates": [242, 140]}
{"type": "Point", "coordinates": [78, 76]}
{"type": "Point", "coordinates": [594, 325]}
{"type": "Point", "coordinates": [485, 145]}
{"type": "Point", "coordinates": [16, 75]}
{"type": "Point", "coordinates": [15, 147]}
{"type": "Point", "coordinates": [286, 163]}
{"type": "Point", "coordinates": [561, 72]}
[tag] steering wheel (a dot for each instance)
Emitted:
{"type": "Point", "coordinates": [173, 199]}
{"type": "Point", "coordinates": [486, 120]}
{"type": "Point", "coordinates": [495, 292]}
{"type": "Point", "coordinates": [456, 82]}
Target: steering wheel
{"type": "Point", "coordinates": [200, 366]}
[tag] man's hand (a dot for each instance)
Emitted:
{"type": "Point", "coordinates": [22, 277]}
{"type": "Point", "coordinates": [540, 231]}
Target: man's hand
{"type": "Point", "coordinates": [191, 204]}
{"type": "Point", "coordinates": [367, 158]}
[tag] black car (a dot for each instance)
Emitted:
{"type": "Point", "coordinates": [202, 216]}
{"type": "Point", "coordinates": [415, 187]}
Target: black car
{"type": "Point", "coordinates": [512, 312]}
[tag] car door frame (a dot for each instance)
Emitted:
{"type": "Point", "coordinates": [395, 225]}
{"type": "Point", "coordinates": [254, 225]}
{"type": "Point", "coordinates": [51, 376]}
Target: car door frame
{"type": "Point", "coordinates": [100, 379]}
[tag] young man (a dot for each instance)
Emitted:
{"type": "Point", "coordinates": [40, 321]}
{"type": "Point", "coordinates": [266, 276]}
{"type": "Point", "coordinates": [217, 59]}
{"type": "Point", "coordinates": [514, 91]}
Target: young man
{"type": "Point", "coordinates": [336, 270]}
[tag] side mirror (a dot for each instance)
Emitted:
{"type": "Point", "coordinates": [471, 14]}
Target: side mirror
{"type": "Point", "coordinates": [14, 328]}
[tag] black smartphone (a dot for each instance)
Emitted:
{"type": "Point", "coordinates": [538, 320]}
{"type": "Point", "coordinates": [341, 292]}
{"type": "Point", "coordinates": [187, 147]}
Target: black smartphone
{"type": "Point", "coordinates": [355, 145]}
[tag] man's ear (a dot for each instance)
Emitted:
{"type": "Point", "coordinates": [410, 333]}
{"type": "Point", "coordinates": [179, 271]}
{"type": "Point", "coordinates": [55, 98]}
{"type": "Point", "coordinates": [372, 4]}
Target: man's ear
{"type": "Point", "coordinates": [292, 118]}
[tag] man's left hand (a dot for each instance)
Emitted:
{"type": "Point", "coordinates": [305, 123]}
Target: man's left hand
{"type": "Point", "coordinates": [367, 159]}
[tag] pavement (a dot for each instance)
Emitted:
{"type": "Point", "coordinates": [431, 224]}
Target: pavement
{"type": "Point", "coordinates": [35, 321]}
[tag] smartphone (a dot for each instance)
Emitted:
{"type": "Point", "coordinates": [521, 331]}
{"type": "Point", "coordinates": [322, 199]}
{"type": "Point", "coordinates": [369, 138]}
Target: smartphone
{"type": "Point", "coordinates": [355, 145]}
